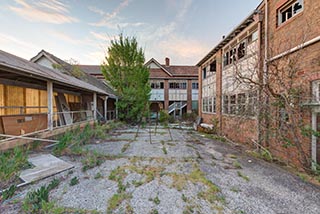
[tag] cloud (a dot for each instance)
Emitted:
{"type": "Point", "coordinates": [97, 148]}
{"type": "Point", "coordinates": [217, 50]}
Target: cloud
{"type": "Point", "coordinates": [52, 11]}
{"type": "Point", "coordinates": [184, 48]}
{"type": "Point", "coordinates": [113, 20]}
{"type": "Point", "coordinates": [12, 44]}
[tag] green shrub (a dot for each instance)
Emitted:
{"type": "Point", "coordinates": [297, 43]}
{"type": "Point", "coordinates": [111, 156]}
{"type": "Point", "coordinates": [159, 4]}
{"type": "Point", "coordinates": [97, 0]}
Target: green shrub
{"type": "Point", "coordinates": [34, 199]}
{"type": "Point", "coordinates": [11, 162]}
{"type": "Point", "coordinates": [164, 117]}
{"type": "Point", "coordinates": [8, 193]}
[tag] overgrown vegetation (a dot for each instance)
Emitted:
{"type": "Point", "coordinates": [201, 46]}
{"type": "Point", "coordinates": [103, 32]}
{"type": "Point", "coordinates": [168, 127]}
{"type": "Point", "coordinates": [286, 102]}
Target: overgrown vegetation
{"type": "Point", "coordinates": [124, 69]}
{"type": "Point", "coordinates": [11, 163]}
{"type": "Point", "coordinates": [36, 199]}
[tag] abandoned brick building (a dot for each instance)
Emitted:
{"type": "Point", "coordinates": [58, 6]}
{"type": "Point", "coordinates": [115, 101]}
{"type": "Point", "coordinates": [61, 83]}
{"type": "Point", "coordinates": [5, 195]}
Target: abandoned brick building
{"type": "Point", "coordinates": [260, 84]}
{"type": "Point", "coordinates": [174, 88]}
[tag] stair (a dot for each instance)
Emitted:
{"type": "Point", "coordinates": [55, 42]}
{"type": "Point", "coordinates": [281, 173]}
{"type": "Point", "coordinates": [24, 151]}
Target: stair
{"type": "Point", "coordinates": [176, 106]}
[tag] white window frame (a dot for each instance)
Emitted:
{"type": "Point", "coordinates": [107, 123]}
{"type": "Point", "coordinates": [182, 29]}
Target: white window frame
{"type": "Point", "coordinates": [287, 6]}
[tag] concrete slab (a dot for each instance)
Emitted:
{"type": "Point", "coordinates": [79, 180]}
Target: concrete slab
{"type": "Point", "coordinates": [45, 165]}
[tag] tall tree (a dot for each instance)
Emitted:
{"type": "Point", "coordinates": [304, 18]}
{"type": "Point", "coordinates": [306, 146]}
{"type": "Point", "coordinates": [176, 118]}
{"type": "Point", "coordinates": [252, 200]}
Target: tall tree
{"type": "Point", "coordinates": [124, 69]}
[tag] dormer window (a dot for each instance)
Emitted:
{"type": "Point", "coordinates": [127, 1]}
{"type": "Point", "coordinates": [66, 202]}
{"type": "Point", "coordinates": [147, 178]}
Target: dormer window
{"type": "Point", "coordinates": [289, 10]}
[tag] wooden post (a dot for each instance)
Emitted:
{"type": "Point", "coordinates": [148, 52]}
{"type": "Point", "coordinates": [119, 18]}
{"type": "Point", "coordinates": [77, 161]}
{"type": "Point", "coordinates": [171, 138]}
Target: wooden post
{"type": "Point", "coordinates": [117, 108]}
{"type": "Point", "coordinates": [50, 104]}
{"type": "Point", "coordinates": [95, 106]}
{"type": "Point", "coordinates": [106, 108]}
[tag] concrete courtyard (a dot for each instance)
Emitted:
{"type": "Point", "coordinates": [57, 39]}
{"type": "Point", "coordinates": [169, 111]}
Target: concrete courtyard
{"type": "Point", "coordinates": [163, 170]}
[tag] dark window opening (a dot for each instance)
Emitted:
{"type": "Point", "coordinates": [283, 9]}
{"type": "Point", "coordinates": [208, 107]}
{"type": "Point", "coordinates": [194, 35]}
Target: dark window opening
{"type": "Point", "coordinates": [204, 73]}
{"type": "Point", "coordinates": [213, 66]}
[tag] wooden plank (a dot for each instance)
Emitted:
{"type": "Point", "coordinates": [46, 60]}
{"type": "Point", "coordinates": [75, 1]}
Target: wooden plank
{"type": "Point", "coordinates": [21, 124]}
{"type": "Point", "coordinates": [32, 99]}
{"type": "Point", "coordinates": [14, 97]}
{"type": "Point", "coordinates": [43, 101]}
{"type": "Point", "coordinates": [46, 134]}
{"type": "Point", "coordinates": [1, 99]}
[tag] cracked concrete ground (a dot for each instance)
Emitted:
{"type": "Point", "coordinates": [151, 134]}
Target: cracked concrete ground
{"type": "Point", "coordinates": [161, 170]}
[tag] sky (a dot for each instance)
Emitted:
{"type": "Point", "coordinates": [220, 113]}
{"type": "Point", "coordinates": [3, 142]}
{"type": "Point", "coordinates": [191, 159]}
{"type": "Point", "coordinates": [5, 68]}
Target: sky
{"type": "Point", "coordinates": [183, 30]}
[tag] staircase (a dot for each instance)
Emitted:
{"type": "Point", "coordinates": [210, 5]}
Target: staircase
{"type": "Point", "coordinates": [176, 106]}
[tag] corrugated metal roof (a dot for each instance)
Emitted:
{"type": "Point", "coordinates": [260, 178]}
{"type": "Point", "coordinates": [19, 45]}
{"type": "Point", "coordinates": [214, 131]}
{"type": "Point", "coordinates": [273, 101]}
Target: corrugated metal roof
{"type": "Point", "coordinates": [14, 62]}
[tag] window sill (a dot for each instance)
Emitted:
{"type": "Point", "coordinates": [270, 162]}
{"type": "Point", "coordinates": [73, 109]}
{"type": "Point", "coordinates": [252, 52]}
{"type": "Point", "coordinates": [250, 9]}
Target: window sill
{"type": "Point", "coordinates": [278, 27]}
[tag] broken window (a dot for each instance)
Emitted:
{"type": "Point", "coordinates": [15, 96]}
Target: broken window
{"type": "Point", "coordinates": [241, 101]}
{"type": "Point", "coordinates": [205, 104]}
{"type": "Point", "coordinates": [226, 59]}
{"type": "Point", "coordinates": [232, 55]}
{"type": "Point", "coordinates": [233, 106]}
{"type": "Point", "coordinates": [213, 66]}
{"type": "Point", "coordinates": [214, 104]}
{"type": "Point", "coordinates": [289, 10]}
{"type": "Point", "coordinates": [204, 73]}
{"type": "Point", "coordinates": [242, 50]}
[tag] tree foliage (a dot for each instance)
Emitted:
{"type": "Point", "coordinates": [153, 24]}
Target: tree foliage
{"type": "Point", "coordinates": [124, 69]}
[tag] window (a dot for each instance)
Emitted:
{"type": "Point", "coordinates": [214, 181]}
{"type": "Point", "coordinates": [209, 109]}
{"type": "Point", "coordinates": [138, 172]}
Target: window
{"type": "Point", "coordinates": [242, 49]}
{"type": "Point", "coordinates": [157, 85]}
{"type": "Point", "coordinates": [226, 59]}
{"type": "Point", "coordinates": [178, 85]}
{"type": "Point", "coordinates": [226, 104]}
{"type": "Point", "coordinates": [241, 101]}
{"type": "Point", "coordinates": [233, 106]}
{"type": "Point", "coordinates": [195, 85]}
{"type": "Point", "coordinates": [205, 105]}
{"type": "Point", "coordinates": [204, 73]}
{"type": "Point", "coordinates": [289, 10]}
{"type": "Point", "coordinates": [213, 66]}
{"type": "Point", "coordinates": [209, 105]}
{"type": "Point", "coordinates": [252, 101]}
{"type": "Point", "coordinates": [253, 37]}
{"type": "Point", "coordinates": [232, 55]}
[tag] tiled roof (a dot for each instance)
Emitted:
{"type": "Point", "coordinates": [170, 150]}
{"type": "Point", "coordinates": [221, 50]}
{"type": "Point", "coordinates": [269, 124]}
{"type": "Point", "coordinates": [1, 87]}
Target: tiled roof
{"type": "Point", "coordinates": [91, 69]}
{"type": "Point", "coordinates": [84, 76]}
{"type": "Point", "coordinates": [181, 70]}
{"type": "Point", "coordinates": [24, 66]}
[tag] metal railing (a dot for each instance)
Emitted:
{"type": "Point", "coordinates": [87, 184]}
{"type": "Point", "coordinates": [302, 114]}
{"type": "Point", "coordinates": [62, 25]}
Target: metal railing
{"type": "Point", "coordinates": [66, 118]}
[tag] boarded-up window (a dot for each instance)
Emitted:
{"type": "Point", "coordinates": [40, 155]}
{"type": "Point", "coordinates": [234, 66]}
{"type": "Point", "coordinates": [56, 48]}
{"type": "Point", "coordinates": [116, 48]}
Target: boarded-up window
{"type": "Point", "coordinates": [15, 98]}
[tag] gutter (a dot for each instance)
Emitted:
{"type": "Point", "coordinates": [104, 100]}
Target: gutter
{"type": "Point", "coordinates": [298, 47]}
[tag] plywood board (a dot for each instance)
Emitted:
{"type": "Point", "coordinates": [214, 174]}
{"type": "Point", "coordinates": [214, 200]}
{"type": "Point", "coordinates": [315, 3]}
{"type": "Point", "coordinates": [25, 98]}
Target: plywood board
{"type": "Point", "coordinates": [14, 97]}
{"type": "Point", "coordinates": [43, 101]}
{"type": "Point", "coordinates": [64, 107]}
{"type": "Point", "coordinates": [22, 124]}
{"type": "Point", "coordinates": [45, 165]}
{"type": "Point", "coordinates": [32, 100]}
{"type": "Point", "coordinates": [2, 99]}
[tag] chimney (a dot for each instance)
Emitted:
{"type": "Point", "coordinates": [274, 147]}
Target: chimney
{"type": "Point", "coordinates": [167, 61]}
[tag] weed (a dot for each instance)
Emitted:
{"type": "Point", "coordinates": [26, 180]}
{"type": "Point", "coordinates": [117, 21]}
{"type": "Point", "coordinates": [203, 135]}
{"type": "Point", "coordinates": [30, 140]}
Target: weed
{"type": "Point", "coordinates": [116, 200]}
{"type": "Point", "coordinates": [164, 150]}
{"type": "Point", "coordinates": [184, 198]}
{"type": "Point", "coordinates": [117, 174]}
{"type": "Point", "coordinates": [302, 177]}
{"type": "Point", "coordinates": [121, 188]}
{"type": "Point", "coordinates": [154, 211]}
{"type": "Point", "coordinates": [8, 193]}
{"type": "Point", "coordinates": [243, 176]}
{"type": "Point", "coordinates": [74, 181]}
{"type": "Point", "coordinates": [137, 183]}
{"type": "Point", "coordinates": [162, 142]}
{"type": "Point", "coordinates": [232, 156]}
{"type": "Point", "coordinates": [125, 147]}
{"type": "Point", "coordinates": [235, 189]}
{"type": "Point", "coordinates": [34, 200]}
{"type": "Point", "coordinates": [188, 209]}
{"type": "Point", "coordinates": [11, 162]}
{"type": "Point", "coordinates": [98, 176]}
{"type": "Point", "coordinates": [156, 200]}
{"type": "Point", "coordinates": [53, 184]}
{"type": "Point", "coordinates": [237, 165]}
{"type": "Point", "coordinates": [91, 160]}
